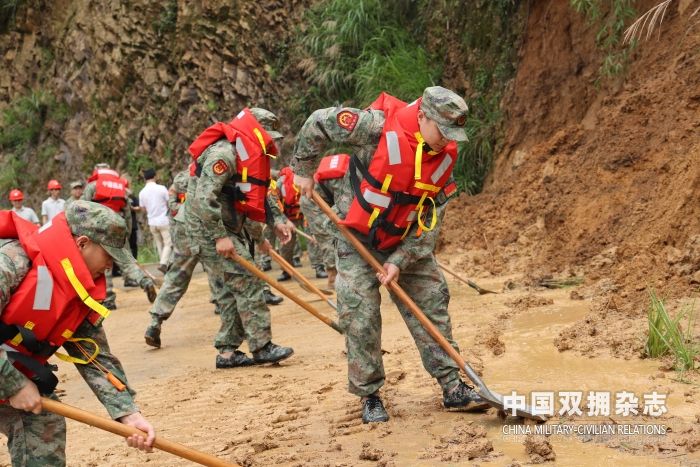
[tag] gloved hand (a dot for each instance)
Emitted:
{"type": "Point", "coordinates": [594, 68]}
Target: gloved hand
{"type": "Point", "coordinates": [150, 288]}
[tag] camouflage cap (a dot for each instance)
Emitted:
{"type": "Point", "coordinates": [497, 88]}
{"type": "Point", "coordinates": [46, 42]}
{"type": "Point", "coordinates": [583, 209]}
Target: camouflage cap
{"type": "Point", "coordinates": [448, 110]}
{"type": "Point", "coordinates": [101, 225]}
{"type": "Point", "coordinates": [77, 184]}
{"type": "Point", "coordinates": [268, 120]}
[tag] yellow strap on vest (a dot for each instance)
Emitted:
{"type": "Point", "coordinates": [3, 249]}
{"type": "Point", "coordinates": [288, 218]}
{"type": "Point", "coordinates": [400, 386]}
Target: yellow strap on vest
{"type": "Point", "coordinates": [244, 175]}
{"type": "Point", "coordinates": [273, 184]}
{"type": "Point", "coordinates": [427, 187]}
{"type": "Point", "coordinates": [405, 232]}
{"type": "Point", "coordinates": [80, 361]}
{"type": "Point", "coordinates": [433, 221]}
{"type": "Point", "coordinates": [373, 217]}
{"type": "Point", "coordinates": [387, 182]}
{"type": "Point", "coordinates": [91, 303]}
{"type": "Point", "coordinates": [419, 155]}
{"type": "Point", "coordinates": [261, 140]}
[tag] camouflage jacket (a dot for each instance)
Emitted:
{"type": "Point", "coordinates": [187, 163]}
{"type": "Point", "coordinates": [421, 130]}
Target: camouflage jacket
{"type": "Point", "coordinates": [14, 265]}
{"type": "Point", "coordinates": [323, 129]}
{"type": "Point", "coordinates": [179, 186]}
{"type": "Point", "coordinates": [210, 211]}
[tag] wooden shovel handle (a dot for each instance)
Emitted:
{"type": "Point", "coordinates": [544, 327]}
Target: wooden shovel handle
{"type": "Point", "coordinates": [393, 286]}
{"type": "Point", "coordinates": [284, 264]}
{"type": "Point", "coordinates": [285, 291]}
{"type": "Point", "coordinates": [120, 429]}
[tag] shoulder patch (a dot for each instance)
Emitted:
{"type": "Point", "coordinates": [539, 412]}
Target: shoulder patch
{"type": "Point", "coordinates": [347, 119]}
{"type": "Point", "coordinates": [219, 167]}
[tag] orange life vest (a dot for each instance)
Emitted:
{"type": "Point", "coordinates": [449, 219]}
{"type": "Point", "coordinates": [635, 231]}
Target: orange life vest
{"type": "Point", "coordinates": [53, 299]}
{"type": "Point", "coordinates": [332, 167]}
{"type": "Point", "coordinates": [289, 194]}
{"type": "Point", "coordinates": [110, 189]}
{"type": "Point", "coordinates": [400, 185]}
{"type": "Point", "coordinates": [254, 148]}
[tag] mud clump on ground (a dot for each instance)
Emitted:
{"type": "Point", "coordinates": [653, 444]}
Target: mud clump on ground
{"type": "Point", "coordinates": [491, 339]}
{"type": "Point", "coordinates": [465, 442]}
{"type": "Point", "coordinates": [529, 301]}
{"type": "Point", "coordinates": [539, 449]}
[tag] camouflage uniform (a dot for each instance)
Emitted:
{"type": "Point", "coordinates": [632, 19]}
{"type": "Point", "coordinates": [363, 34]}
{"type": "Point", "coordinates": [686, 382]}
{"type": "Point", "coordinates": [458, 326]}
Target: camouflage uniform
{"type": "Point", "coordinates": [130, 271]}
{"type": "Point", "coordinates": [321, 227]}
{"type": "Point", "coordinates": [209, 216]}
{"type": "Point", "coordinates": [357, 285]}
{"type": "Point", "coordinates": [183, 260]}
{"type": "Point", "coordinates": [39, 440]}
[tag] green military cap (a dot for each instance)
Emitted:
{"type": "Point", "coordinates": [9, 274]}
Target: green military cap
{"type": "Point", "coordinates": [101, 225]}
{"type": "Point", "coordinates": [77, 184]}
{"type": "Point", "coordinates": [448, 110]}
{"type": "Point", "coordinates": [268, 120]}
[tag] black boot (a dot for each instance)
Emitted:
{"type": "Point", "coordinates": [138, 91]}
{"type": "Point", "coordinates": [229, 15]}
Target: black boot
{"type": "Point", "coordinates": [237, 359]}
{"type": "Point", "coordinates": [296, 262]}
{"type": "Point", "coordinates": [272, 353]}
{"type": "Point", "coordinates": [270, 298]}
{"type": "Point", "coordinates": [320, 271]}
{"type": "Point", "coordinates": [266, 266]}
{"type": "Point", "coordinates": [373, 410]}
{"type": "Point", "coordinates": [283, 277]}
{"type": "Point", "coordinates": [465, 397]}
{"type": "Point", "coordinates": [152, 335]}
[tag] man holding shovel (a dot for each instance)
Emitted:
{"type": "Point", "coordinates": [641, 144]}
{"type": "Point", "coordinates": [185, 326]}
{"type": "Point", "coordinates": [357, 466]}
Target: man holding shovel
{"type": "Point", "coordinates": [393, 196]}
{"type": "Point", "coordinates": [51, 280]}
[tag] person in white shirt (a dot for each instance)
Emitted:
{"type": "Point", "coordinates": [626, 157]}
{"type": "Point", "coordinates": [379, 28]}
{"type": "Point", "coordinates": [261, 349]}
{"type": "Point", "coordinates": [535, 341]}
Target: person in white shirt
{"type": "Point", "coordinates": [17, 199]}
{"type": "Point", "coordinates": [53, 204]}
{"type": "Point", "coordinates": [153, 198]}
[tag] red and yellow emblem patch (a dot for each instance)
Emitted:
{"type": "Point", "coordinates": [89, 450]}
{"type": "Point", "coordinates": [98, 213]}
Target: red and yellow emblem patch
{"type": "Point", "coordinates": [219, 167]}
{"type": "Point", "coordinates": [347, 119]}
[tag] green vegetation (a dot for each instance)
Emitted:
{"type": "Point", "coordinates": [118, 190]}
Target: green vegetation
{"type": "Point", "coordinates": [612, 27]}
{"type": "Point", "coordinates": [147, 255]}
{"type": "Point", "coordinates": [167, 20]}
{"type": "Point", "coordinates": [21, 125]}
{"type": "Point", "coordinates": [8, 10]}
{"type": "Point", "coordinates": [666, 335]}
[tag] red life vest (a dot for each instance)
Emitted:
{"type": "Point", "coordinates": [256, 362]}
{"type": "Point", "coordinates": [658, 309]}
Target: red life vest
{"type": "Point", "coordinates": [254, 147]}
{"type": "Point", "coordinates": [110, 189]}
{"type": "Point", "coordinates": [289, 194]}
{"type": "Point", "coordinates": [332, 167]}
{"type": "Point", "coordinates": [53, 299]}
{"type": "Point", "coordinates": [400, 184]}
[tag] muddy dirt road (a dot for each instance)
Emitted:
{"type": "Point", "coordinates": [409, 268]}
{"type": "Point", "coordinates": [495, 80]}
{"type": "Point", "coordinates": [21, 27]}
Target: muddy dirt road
{"type": "Point", "coordinates": [299, 413]}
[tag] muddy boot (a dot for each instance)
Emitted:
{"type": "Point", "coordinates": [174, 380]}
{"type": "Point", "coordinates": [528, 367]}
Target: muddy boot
{"type": "Point", "coordinates": [266, 266]}
{"type": "Point", "coordinates": [270, 298]}
{"type": "Point", "coordinates": [464, 397]}
{"type": "Point", "coordinates": [272, 353]}
{"type": "Point", "coordinates": [238, 358]}
{"type": "Point", "coordinates": [296, 262]}
{"type": "Point", "coordinates": [332, 274]}
{"type": "Point", "coordinates": [320, 271]}
{"type": "Point", "coordinates": [283, 277]}
{"type": "Point", "coordinates": [152, 335]}
{"type": "Point", "coordinates": [373, 410]}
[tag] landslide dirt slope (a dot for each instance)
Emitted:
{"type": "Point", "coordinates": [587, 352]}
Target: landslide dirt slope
{"type": "Point", "coordinates": [601, 181]}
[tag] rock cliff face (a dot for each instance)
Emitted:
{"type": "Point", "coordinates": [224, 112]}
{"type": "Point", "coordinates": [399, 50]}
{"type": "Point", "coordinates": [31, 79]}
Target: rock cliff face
{"type": "Point", "coordinates": [144, 78]}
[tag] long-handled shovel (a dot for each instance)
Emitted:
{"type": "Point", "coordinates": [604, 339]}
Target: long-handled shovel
{"type": "Point", "coordinates": [120, 429]}
{"type": "Point", "coordinates": [285, 291]}
{"type": "Point", "coordinates": [471, 284]}
{"type": "Point", "coordinates": [493, 398]}
{"type": "Point", "coordinates": [306, 236]}
{"type": "Point", "coordinates": [303, 281]}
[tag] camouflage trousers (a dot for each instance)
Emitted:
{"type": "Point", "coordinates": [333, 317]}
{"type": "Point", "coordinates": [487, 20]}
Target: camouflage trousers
{"type": "Point", "coordinates": [177, 278]}
{"type": "Point", "coordinates": [261, 258]}
{"type": "Point", "coordinates": [359, 316]}
{"type": "Point", "coordinates": [321, 228]}
{"type": "Point", "coordinates": [244, 314]}
{"type": "Point", "coordinates": [129, 272]}
{"type": "Point", "coordinates": [34, 440]}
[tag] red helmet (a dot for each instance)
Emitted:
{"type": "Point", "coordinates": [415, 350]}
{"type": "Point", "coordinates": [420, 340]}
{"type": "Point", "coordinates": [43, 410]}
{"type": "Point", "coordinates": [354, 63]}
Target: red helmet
{"type": "Point", "coordinates": [53, 185]}
{"type": "Point", "coordinates": [16, 195]}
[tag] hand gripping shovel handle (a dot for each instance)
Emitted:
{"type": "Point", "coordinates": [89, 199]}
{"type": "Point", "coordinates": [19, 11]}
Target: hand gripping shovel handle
{"type": "Point", "coordinates": [120, 429]}
{"type": "Point", "coordinates": [285, 291]}
{"type": "Point", "coordinates": [300, 277]}
{"type": "Point", "coordinates": [492, 398]}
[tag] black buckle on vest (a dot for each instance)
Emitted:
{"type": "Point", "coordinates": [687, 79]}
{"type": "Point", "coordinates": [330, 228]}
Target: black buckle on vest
{"type": "Point", "coordinates": [43, 377]}
{"type": "Point", "coordinates": [29, 340]}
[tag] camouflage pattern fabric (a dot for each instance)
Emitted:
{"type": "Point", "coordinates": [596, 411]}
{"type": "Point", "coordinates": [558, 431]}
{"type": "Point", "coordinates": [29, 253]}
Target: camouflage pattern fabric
{"type": "Point", "coordinates": [356, 285]}
{"type": "Point", "coordinates": [210, 215]}
{"type": "Point", "coordinates": [289, 250]}
{"type": "Point", "coordinates": [321, 227]}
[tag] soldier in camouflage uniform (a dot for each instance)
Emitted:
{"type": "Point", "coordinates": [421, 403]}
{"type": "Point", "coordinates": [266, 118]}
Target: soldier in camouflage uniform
{"type": "Point", "coordinates": [219, 233]}
{"type": "Point", "coordinates": [36, 438]}
{"type": "Point", "coordinates": [131, 272]}
{"type": "Point", "coordinates": [441, 117]}
{"type": "Point", "coordinates": [324, 232]}
{"type": "Point", "coordinates": [76, 191]}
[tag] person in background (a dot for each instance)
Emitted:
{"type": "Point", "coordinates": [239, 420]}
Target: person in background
{"type": "Point", "coordinates": [76, 191]}
{"type": "Point", "coordinates": [17, 199]}
{"type": "Point", "coordinates": [53, 204]}
{"type": "Point", "coordinates": [153, 198]}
